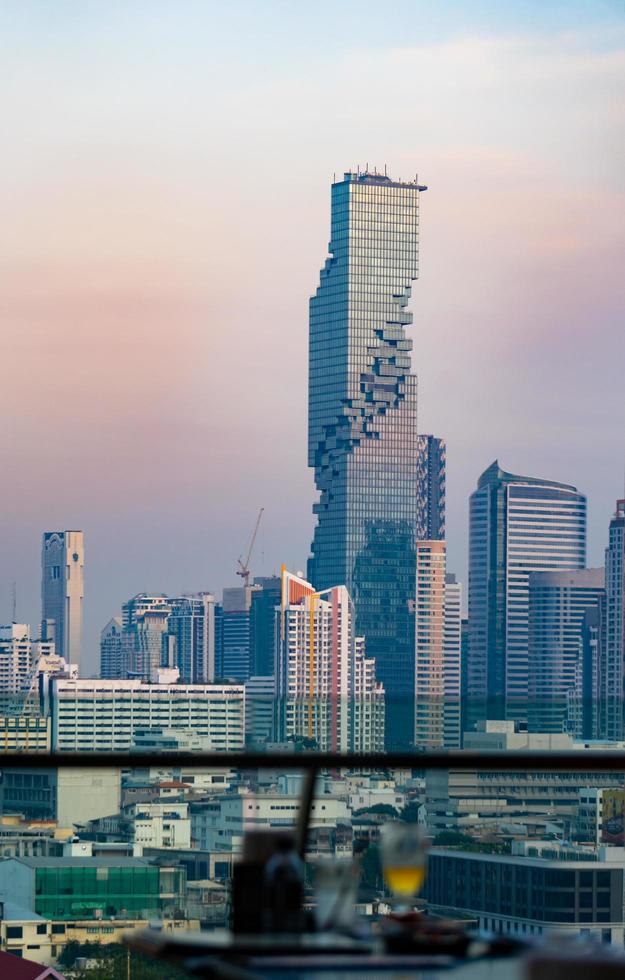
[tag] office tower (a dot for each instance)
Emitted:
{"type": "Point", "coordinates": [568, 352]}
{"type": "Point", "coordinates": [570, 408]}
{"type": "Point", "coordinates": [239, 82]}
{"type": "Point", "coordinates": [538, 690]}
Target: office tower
{"type": "Point", "coordinates": [363, 437]}
{"type": "Point", "coordinates": [112, 659]}
{"type": "Point", "coordinates": [614, 656]}
{"type": "Point", "coordinates": [105, 715]}
{"type": "Point", "coordinates": [517, 525]}
{"type": "Point", "coordinates": [234, 651]}
{"type": "Point", "coordinates": [192, 625]}
{"type": "Point", "coordinates": [321, 674]}
{"type": "Point", "coordinates": [464, 676]}
{"type": "Point", "coordinates": [557, 604]}
{"type": "Point", "coordinates": [452, 663]}
{"type": "Point", "coordinates": [431, 463]}
{"type": "Point", "coordinates": [265, 598]}
{"type": "Point", "coordinates": [437, 650]}
{"type": "Point", "coordinates": [584, 715]}
{"type": "Point", "coordinates": [63, 590]}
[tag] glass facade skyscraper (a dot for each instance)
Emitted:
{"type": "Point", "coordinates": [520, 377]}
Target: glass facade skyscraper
{"type": "Point", "coordinates": [517, 525]}
{"type": "Point", "coordinates": [363, 438]}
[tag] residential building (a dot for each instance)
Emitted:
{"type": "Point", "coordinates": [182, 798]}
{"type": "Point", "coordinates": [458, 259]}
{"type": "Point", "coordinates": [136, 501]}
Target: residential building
{"type": "Point", "coordinates": [613, 659]}
{"type": "Point", "coordinates": [599, 817]}
{"type": "Point", "coordinates": [24, 733]}
{"type": "Point", "coordinates": [320, 672]}
{"type": "Point", "coordinates": [429, 685]}
{"type": "Point", "coordinates": [558, 602]}
{"type": "Point", "coordinates": [452, 663]}
{"type": "Point", "coordinates": [192, 625]}
{"type": "Point", "coordinates": [265, 599]}
{"type": "Point", "coordinates": [431, 467]}
{"type": "Point", "coordinates": [67, 796]}
{"type": "Point", "coordinates": [221, 823]}
{"type": "Point", "coordinates": [104, 715]}
{"type": "Point", "coordinates": [19, 654]}
{"type": "Point", "coordinates": [164, 825]}
{"type": "Point", "coordinates": [148, 643]}
{"type": "Point", "coordinates": [538, 888]}
{"type": "Point", "coordinates": [63, 591]}
{"type": "Point", "coordinates": [112, 649]}
{"type": "Point", "coordinates": [363, 436]}
{"type": "Point", "coordinates": [518, 525]}
{"type": "Point", "coordinates": [26, 935]}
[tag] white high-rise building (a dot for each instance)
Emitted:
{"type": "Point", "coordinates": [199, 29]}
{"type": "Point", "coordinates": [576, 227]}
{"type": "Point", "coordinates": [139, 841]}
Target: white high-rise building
{"type": "Point", "coordinates": [452, 659]}
{"type": "Point", "coordinates": [105, 715]}
{"type": "Point", "coordinates": [438, 619]}
{"type": "Point", "coordinates": [613, 657]}
{"type": "Point", "coordinates": [325, 685]}
{"type": "Point", "coordinates": [19, 654]}
{"type": "Point", "coordinates": [63, 591]}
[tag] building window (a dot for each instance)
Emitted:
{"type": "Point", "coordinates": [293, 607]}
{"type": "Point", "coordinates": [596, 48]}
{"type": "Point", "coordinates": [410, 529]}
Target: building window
{"type": "Point", "coordinates": [14, 932]}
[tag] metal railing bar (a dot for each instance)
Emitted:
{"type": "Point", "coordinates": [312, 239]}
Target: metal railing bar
{"type": "Point", "coordinates": [590, 760]}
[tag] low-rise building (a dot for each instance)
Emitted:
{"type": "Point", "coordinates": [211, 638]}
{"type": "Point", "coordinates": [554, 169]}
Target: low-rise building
{"type": "Point", "coordinates": [66, 796]}
{"type": "Point", "coordinates": [545, 888]}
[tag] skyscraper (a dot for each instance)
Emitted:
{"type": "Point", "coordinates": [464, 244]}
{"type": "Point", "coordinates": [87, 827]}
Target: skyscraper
{"type": "Point", "coordinates": [517, 525]}
{"type": "Point", "coordinates": [558, 602]}
{"type": "Point", "coordinates": [112, 649]}
{"type": "Point", "coordinates": [613, 656]}
{"type": "Point", "coordinates": [326, 687]}
{"type": "Point", "coordinates": [192, 624]}
{"type": "Point", "coordinates": [431, 466]}
{"type": "Point", "coordinates": [63, 590]}
{"type": "Point", "coordinates": [363, 437]}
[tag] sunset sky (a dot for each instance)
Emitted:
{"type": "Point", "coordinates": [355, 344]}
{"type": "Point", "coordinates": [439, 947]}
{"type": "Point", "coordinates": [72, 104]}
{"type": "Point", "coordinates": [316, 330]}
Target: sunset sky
{"type": "Point", "coordinates": [166, 171]}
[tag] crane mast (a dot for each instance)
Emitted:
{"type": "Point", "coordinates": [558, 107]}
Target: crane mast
{"type": "Point", "coordinates": [244, 566]}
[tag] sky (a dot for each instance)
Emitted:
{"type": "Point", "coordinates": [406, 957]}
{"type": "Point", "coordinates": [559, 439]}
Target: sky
{"type": "Point", "coordinates": [165, 195]}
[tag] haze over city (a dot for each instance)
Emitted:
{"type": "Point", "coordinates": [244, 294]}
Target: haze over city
{"type": "Point", "coordinates": [166, 219]}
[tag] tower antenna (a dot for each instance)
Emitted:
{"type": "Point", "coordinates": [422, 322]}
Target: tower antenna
{"type": "Point", "coordinates": [14, 603]}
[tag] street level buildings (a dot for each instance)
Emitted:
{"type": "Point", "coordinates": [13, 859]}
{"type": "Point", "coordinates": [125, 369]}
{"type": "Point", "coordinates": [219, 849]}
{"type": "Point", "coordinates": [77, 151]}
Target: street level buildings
{"type": "Point", "coordinates": [363, 436]}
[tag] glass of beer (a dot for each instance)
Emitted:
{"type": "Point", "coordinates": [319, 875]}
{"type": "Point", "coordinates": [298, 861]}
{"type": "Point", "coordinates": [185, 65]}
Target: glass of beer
{"type": "Point", "coordinates": [404, 861]}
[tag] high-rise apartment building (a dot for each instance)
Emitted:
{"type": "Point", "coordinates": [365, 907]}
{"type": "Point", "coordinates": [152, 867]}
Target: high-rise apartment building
{"type": "Point", "coordinates": [63, 591]}
{"type": "Point", "coordinates": [192, 625]}
{"type": "Point", "coordinates": [431, 467]}
{"type": "Point", "coordinates": [517, 525]}
{"type": "Point", "coordinates": [558, 602]}
{"type": "Point", "coordinates": [613, 657]}
{"type": "Point", "coordinates": [325, 686]}
{"type": "Point", "coordinates": [363, 437]}
{"type": "Point", "coordinates": [19, 657]}
{"type": "Point", "coordinates": [452, 663]}
{"type": "Point", "coordinates": [437, 650]}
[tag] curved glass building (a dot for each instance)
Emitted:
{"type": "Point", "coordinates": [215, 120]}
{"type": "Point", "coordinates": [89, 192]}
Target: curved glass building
{"type": "Point", "coordinates": [363, 440]}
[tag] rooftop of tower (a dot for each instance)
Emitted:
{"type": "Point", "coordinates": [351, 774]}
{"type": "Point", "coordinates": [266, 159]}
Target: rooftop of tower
{"type": "Point", "coordinates": [373, 177]}
{"type": "Point", "coordinates": [494, 474]}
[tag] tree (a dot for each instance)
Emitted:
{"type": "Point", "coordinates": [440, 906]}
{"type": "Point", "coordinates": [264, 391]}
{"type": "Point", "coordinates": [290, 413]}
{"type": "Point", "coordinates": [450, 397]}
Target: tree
{"type": "Point", "coordinates": [371, 867]}
{"type": "Point", "coordinates": [382, 808]}
{"type": "Point", "coordinates": [410, 813]}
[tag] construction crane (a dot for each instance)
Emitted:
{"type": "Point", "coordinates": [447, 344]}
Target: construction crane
{"type": "Point", "coordinates": [244, 566]}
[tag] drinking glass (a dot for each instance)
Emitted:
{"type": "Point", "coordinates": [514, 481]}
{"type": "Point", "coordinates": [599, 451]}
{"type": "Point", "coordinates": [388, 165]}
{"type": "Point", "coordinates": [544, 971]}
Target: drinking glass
{"type": "Point", "coordinates": [404, 861]}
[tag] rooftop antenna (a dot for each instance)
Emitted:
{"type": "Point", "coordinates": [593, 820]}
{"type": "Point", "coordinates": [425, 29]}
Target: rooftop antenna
{"type": "Point", "coordinates": [385, 170]}
{"type": "Point", "coordinates": [367, 170]}
{"type": "Point", "coordinates": [14, 602]}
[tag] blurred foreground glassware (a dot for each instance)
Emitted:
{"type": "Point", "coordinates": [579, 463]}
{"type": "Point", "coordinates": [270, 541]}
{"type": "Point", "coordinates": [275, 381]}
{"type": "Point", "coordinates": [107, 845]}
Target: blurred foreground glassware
{"type": "Point", "coordinates": [336, 884]}
{"type": "Point", "coordinates": [404, 861]}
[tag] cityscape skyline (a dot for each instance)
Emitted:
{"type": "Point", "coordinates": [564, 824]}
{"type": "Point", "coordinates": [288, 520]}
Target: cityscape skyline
{"type": "Point", "coordinates": [166, 495]}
